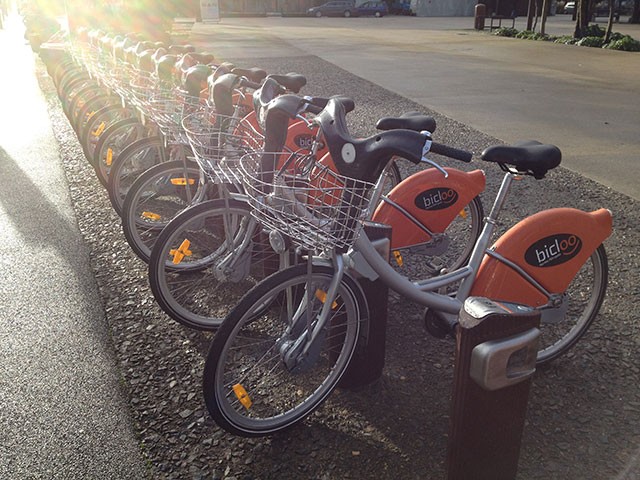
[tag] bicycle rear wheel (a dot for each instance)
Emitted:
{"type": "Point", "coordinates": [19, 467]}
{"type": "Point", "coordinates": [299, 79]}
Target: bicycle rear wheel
{"type": "Point", "coordinates": [154, 199]}
{"type": "Point", "coordinates": [113, 141]}
{"type": "Point", "coordinates": [205, 259]}
{"type": "Point", "coordinates": [132, 162]}
{"type": "Point", "coordinates": [99, 123]}
{"type": "Point", "coordinates": [447, 254]}
{"type": "Point", "coordinates": [582, 301]}
{"type": "Point", "coordinates": [254, 382]}
{"type": "Point", "coordinates": [89, 109]}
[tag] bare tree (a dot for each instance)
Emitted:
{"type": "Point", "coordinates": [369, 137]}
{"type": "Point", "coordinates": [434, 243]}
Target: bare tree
{"type": "Point", "coordinates": [607, 35]}
{"type": "Point", "coordinates": [635, 14]}
{"type": "Point", "coordinates": [582, 18]}
{"type": "Point", "coordinates": [536, 16]}
{"type": "Point", "coordinates": [543, 21]}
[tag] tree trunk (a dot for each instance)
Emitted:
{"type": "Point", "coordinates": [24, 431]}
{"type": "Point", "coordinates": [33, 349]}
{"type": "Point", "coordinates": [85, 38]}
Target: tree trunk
{"type": "Point", "coordinates": [607, 34]}
{"type": "Point", "coordinates": [537, 15]}
{"type": "Point", "coordinates": [530, 14]}
{"type": "Point", "coordinates": [582, 18]}
{"type": "Point", "coordinates": [543, 22]}
{"type": "Point", "coordinates": [635, 14]}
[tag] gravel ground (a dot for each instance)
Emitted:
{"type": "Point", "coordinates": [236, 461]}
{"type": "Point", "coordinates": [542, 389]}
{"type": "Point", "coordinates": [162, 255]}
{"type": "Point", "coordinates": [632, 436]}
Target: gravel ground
{"type": "Point", "coordinates": [584, 409]}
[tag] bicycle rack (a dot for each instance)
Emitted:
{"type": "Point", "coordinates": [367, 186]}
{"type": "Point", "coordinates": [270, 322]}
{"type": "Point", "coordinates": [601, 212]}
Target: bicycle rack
{"type": "Point", "coordinates": [495, 360]}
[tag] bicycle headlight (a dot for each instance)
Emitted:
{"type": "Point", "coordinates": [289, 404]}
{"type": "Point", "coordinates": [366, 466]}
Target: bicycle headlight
{"type": "Point", "coordinates": [277, 242]}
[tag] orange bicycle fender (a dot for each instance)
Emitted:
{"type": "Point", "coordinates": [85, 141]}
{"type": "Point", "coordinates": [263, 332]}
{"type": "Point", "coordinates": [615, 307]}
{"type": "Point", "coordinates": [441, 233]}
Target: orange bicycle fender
{"type": "Point", "coordinates": [431, 199]}
{"type": "Point", "coordinates": [551, 246]}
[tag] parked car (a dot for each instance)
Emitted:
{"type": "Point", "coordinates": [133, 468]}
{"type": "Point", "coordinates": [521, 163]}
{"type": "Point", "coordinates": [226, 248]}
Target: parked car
{"type": "Point", "coordinates": [401, 7]}
{"type": "Point", "coordinates": [602, 10]}
{"type": "Point", "coordinates": [375, 8]}
{"type": "Point", "coordinates": [336, 8]}
{"type": "Point", "coordinates": [569, 7]}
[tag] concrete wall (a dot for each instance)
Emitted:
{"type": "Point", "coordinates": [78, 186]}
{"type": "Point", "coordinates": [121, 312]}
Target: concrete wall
{"type": "Point", "coordinates": [444, 8]}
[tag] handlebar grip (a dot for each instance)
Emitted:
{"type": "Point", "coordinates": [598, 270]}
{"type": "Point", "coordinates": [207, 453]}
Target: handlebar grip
{"type": "Point", "coordinates": [451, 152]}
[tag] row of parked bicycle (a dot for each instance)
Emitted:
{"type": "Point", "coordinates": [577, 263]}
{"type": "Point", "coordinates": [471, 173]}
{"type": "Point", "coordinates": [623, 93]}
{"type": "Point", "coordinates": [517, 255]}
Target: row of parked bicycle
{"type": "Point", "coordinates": [257, 212]}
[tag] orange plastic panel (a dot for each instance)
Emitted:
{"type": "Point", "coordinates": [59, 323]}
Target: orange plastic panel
{"type": "Point", "coordinates": [551, 246]}
{"type": "Point", "coordinates": [431, 199]}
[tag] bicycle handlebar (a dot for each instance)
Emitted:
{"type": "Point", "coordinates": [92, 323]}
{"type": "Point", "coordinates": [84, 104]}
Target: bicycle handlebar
{"type": "Point", "coordinates": [451, 152]}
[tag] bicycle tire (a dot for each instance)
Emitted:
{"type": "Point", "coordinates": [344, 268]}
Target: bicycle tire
{"type": "Point", "coordinates": [63, 69]}
{"type": "Point", "coordinates": [153, 200]}
{"type": "Point", "coordinates": [72, 92]}
{"type": "Point", "coordinates": [71, 79]}
{"type": "Point", "coordinates": [415, 263]}
{"type": "Point", "coordinates": [394, 177]}
{"type": "Point", "coordinates": [89, 109]}
{"type": "Point", "coordinates": [584, 297]}
{"type": "Point", "coordinates": [98, 124]}
{"type": "Point", "coordinates": [113, 141]}
{"type": "Point", "coordinates": [66, 77]}
{"type": "Point", "coordinates": [200, 290]}
{"type": "Point", "coordinates": [246, 355]}
{"type": "Point", "coordinates": [132, 162]}
{"type": "Point", "coordinates": [81, 99]}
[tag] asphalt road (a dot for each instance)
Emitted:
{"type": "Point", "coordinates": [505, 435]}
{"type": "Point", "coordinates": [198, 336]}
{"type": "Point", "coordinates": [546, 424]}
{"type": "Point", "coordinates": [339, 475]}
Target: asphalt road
{"type": "Point", "coordinates": [585, 100]}
{"type": "Point", "coordinates": [63, 411]}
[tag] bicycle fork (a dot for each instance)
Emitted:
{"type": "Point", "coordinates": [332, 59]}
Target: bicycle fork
{"type": "Point", "coordinates": [303, 340]}
{"type": "Point", "coordinates": [235, 261]}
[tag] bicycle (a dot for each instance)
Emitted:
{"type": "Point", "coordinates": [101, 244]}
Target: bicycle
{"type": "Point", "coordinates": [284, 347]}
{"type": "Point", "coordinates": [155, 198]}
{"type": "Point", "coordinates": [161, 193]}
{"type": "Point", "coordinates": [167, 108]}
{"type": "Point", "coordinates": [226, 250]}
{"type": "Point", "coordinates": [196, 289]}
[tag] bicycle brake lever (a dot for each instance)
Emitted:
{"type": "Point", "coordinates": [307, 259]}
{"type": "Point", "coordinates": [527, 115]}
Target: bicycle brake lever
{"type": "Point", "coordinates": [435, 165]}
{"type": "Point", "coordinates": [309, 123]}
{"type": "Point", "coordinates": [425, 149]}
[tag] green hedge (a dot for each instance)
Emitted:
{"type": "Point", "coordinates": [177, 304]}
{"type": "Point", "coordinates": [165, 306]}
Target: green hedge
{"type": "Point", "coordinates": [594, 37]}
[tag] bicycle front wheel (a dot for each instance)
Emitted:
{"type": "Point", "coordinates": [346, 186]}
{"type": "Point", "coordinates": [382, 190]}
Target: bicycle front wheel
{"type": "Point", "coordinates": [205, 259]}
{"type": "Point", "coordinates": [256, 380]}
{"type": "Point", "coordinates": [98, 124]}
{"type": "Point", "coordinates": [113, 141]}
{"type": "Point", "coordinates": [132, 162]}
{"type": "Point", "coordinates": [562, 327]}
{"type": "Point", "coordinates": [86, 110]}
{"type": "Point", "coordinates": [154, 199]}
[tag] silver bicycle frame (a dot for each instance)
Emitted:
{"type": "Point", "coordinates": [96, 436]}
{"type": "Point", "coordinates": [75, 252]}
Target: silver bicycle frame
{"type": "Point", "coordinates": [423, 292]}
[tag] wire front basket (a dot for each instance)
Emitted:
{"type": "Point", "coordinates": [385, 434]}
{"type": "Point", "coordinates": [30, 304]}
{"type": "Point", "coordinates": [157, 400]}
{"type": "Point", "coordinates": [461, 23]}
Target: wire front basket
{"type": "Point", "coordinates": [168, 108]}
{"type": "Point", "coordinates": [304, 199]}
{"type": "Point", "coordinates": [219, 141]}
{"type": "Point", "coordinates": [142, 88]}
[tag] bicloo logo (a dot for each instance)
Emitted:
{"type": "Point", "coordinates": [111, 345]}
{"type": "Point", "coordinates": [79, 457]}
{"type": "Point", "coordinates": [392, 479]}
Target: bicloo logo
{"type": "Point", "coordinates": [553, 250]}
{"type": "Point", "coordinates": [303, 141]}
{"type": "Point", "coordinates": [436, 198]}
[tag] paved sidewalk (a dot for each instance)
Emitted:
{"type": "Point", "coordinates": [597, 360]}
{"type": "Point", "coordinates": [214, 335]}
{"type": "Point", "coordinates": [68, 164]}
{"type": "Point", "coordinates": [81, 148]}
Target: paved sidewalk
{"type": "Point", "coordinates": [585, 100]}
{"type": "Point", "coordinates": [62, 410]}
